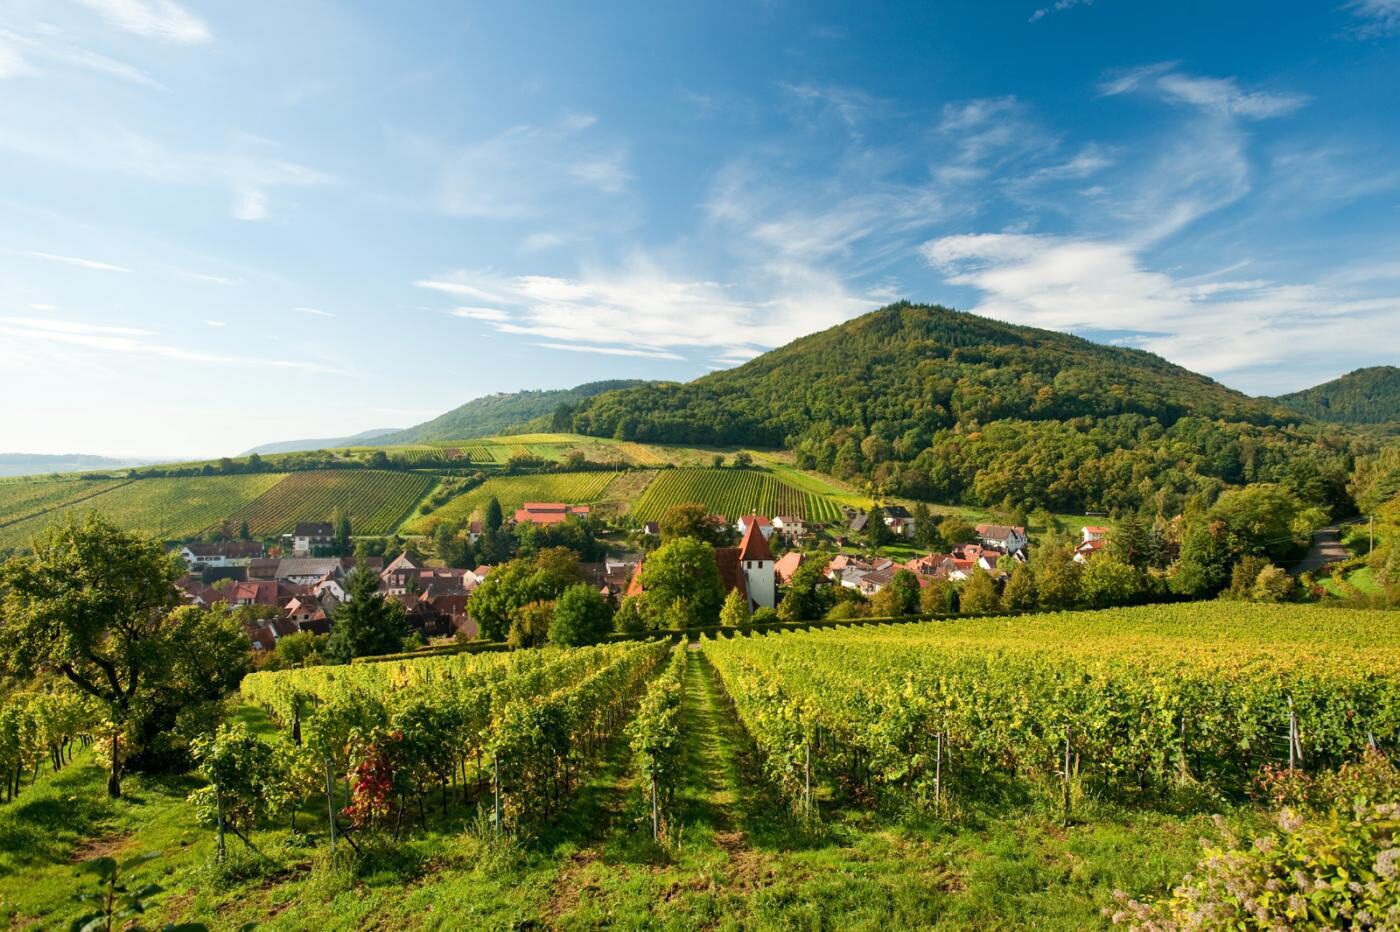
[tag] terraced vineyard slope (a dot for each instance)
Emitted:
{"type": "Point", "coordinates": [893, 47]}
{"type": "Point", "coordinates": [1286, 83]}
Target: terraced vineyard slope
{"type": "Point", "coordinates": [168, 508]}
{"type": "Point", "coordinates": [576, 488]}
{"type": "Point", "coordinates": [378, 501]}
{"type": "Point", "coordinates": [733, 492]}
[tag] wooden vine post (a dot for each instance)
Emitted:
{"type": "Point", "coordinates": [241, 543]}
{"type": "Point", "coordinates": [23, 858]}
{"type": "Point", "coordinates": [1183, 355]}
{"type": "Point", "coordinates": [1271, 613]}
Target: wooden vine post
{"type": "Point", "coordinates": [655, 812]}
{"type": "Point", "coordinates": [1067, 775]}
{"type": "Point", "coordinates": [330, 800]}
{"type": "Point", "coordinates": [219, 814]}
{"type": "Point", "coordinates": [938, 773]}
{"type": "Point", "coordinates": [496, 788]}
{"type": "Point", "coordinates": [807, 775]}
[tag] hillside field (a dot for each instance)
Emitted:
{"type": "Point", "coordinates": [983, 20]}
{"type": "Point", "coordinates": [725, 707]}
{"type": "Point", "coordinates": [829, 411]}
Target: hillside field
{"type": "Point", "coordinates": [377, 501]}
{"type": "Point", "coordinates": [513, 491]}
{"type": "Point", "coordinates": [168, 508]}
{"type": "Point", "coordinates": [880, 840]}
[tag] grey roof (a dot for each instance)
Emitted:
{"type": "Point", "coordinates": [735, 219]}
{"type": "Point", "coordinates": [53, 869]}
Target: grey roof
{"type": "Point", "coordinates": [312, 529]}
{"type": "Point", "coordinates": [306, 566]}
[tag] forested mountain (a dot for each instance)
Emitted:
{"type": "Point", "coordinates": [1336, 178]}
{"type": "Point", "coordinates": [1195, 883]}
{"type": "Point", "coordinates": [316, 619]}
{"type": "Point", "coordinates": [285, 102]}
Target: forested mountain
{"type": "Point", "coordinates": [1365, 396]}
{"type": "Point", "coordinates": [495, 414]}
{"type": "Point", "coordinates": [938, 404]}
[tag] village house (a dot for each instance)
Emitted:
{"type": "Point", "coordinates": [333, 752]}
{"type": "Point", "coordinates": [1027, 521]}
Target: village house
{"type": "Point", "coordinates": [790, 526]}
{"type": "Point", "coordinates": [549, 512]}
{"type": "Point", "coordinates": [787, 565]}
{"type": "Point", "coordinates": [1094, 532]}
{"type": "Point", "coordinates": [1006, 538]}
{"type": "Point", "coordinates": [401, 575]}
{"type": "Point", "coordinates": [899, 520]}
{"type": "Point", "coordinates": [748, 521]}
{"type": "Point", "coordinates": [199, 556]}
{"type": "Point", "coordinates": [310, 536]}
{"type": "Point", "coordinates": [307, 571]}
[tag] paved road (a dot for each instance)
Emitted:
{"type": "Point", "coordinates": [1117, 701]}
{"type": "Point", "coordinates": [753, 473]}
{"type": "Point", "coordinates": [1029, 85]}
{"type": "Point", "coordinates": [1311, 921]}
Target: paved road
{"type": "Point", "coordinates": [1326, 548]}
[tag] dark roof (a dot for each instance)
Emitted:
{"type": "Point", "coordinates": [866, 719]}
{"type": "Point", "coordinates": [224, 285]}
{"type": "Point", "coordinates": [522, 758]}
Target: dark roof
{"type": "Point", "coordinates": [730, 570]}
{"type": "Point", "coordinates": [897, 511]}
{"type": "Point", "coordinates": [312, 529]}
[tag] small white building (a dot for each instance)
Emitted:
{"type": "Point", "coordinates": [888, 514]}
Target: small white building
{"type": "Point", "coordinates": [763, 524]}
{"type": "Point", "coordinates": [1004, 537]}
{"type": "Point", "coordinates": [310, 536]}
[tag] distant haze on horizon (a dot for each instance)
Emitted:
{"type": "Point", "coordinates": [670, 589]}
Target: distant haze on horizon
{"type": "Point", "coordinates": [223, 225]}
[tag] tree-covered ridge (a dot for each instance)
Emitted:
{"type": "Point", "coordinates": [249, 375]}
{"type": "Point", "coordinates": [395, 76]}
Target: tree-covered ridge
{"type": "Point", "coordinates": [496, 414]}
{"type": "Point", "coordinates": [1363, 396]}
{"type": "Point", "coordinates": [934, 403]}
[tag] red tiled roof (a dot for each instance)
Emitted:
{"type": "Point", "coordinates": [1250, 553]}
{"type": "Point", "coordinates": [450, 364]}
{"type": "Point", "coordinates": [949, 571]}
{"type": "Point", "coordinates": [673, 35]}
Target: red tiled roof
{"type": "Point", "coordinates": [754, 546]}
{"type": "Point", "coordinates": [787, 565]}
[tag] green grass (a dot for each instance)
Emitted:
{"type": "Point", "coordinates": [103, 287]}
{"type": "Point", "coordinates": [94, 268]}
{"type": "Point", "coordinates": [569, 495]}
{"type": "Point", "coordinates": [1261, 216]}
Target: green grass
{"type": "Point", "coordinates": [736, 858]}
{"type": "Point", "coordinates": [1362, 579]}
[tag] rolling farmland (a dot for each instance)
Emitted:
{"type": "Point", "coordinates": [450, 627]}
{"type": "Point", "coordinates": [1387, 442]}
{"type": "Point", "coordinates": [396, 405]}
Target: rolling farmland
{"type": "Point", "coordinates": [169, 508]}
{"type": "Point", "coordinates": [732, 492]}
{"type": "Point", "coordinates": [377, 501]}
{"type": "Point", "coordinates": [513, 491]}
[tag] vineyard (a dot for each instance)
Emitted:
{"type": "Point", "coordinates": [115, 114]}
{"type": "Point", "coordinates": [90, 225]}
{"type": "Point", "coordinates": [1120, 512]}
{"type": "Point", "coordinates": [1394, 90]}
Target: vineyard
{"type": "Point", "coordinates": [513, 491]}
{"type": "Point", "coordinates": [169, 508]}
{"type": "Point", "coordinates": [732, 492]}
{"type": "Point", "coordinates": [376, 501]}
{"type": "Point", "coordinates": [1124, 701]}
{"type": "Point", "coordinates": [533, 720]}
{"type": "Point", "coordinates": [28, 498]}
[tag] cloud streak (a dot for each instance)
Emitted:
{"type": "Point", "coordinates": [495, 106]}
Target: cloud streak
{"type": "Point", "coordinates": [164, 20]}
{"type": "Point", "coordinates": [76, 261]}
{"type": "Point", "coordinates": [1249, 329]}
{"type": "Point", "coordinates": [39, 332]}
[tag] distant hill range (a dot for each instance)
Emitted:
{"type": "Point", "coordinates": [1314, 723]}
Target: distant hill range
{"type": "Point", "coordinates": [501, 413]}
{"type": "Point", "coordinates": [330, 443]}
{"type": "Point", "coordinates": [1365, 396]}
{"type": "Point", "coordinates": [33, 464]}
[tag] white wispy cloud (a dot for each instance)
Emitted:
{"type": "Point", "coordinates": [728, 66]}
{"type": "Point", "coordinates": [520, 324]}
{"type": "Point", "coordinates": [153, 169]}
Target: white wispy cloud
{"type": "Point", "coordinates": [1057, 7]}
{"type": "Point", "coordinates": [215, 323]}
{"type": "Point", "coordinates": [1222, 96]}
{"type": "Point", "coordinates": [525, 171]}
{"type": "Point", "coordinates": [1249, 329]}
{"type": "Point", "coordinates": [644, 310]}
{"type": "Point", "coordinates": [1375, 17]}
{"type": "Point", "coordinates": [76, 261]}
{"type": "Point", "coordinates": [41, 332]}
{"type": "Point", "coordinates": [315, 311]}
{"type": "Point", "coordinates": [609, 350]}
{"type": "Point", "coordinates": [491, 314]}
{"type": "Point", "coordinates": [87, 145]}
{"type": "Point", "coordinates": [22, 55]}
{"type": "Point", "coordinates": [155, 19]}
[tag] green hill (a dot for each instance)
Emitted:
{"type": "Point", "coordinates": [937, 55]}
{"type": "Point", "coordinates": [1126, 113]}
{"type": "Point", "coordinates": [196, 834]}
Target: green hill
{"type": "Point", "coordinates": [934, 403]}
{"type": "Point", "coordinates": [1365, 396]}
{"type": "Point", "coordinates": [495, 414]}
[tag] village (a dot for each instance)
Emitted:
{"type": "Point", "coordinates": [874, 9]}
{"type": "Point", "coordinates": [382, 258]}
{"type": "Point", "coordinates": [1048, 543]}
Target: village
{"type": "Point", "coordinates": [297, 585]}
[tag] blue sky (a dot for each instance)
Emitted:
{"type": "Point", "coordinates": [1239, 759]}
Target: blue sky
{"type": "Point", "coordinates": [228, 223]}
